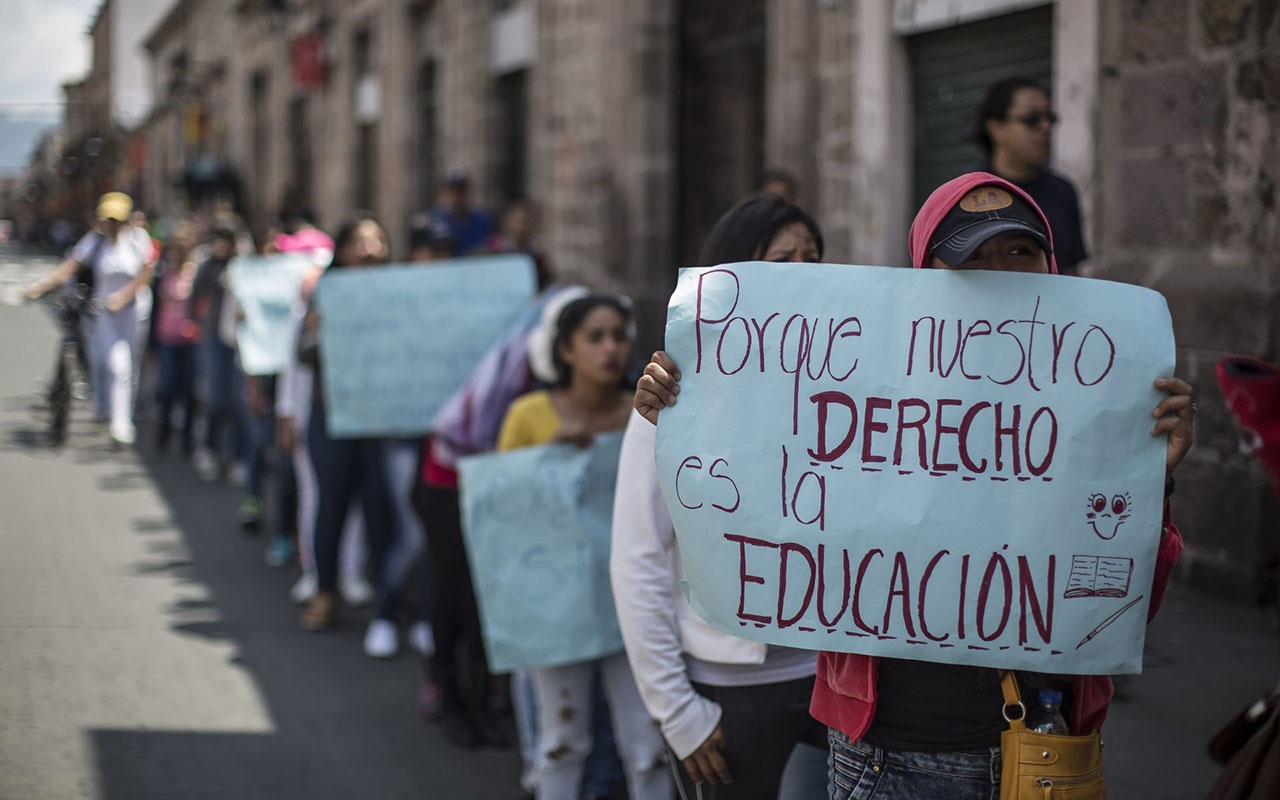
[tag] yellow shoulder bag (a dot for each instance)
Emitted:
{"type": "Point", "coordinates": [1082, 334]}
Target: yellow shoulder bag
{"type": "Point", "coordinates": [1046, 766]}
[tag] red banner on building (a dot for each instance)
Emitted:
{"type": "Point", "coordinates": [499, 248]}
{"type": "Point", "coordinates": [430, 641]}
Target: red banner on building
{"type": "Point", "coordinates": [308, 61]}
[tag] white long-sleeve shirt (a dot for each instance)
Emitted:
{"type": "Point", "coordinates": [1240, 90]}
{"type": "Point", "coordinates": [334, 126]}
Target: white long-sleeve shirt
{"type": "Point", "coordinates": [667, 644]}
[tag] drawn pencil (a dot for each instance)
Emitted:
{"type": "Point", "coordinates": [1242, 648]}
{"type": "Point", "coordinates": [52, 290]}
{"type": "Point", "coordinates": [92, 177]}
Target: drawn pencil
{"type": "Point", "coordinates": [1106, 622]}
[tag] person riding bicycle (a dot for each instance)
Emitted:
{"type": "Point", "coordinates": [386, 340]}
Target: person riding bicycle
{"type": "Point", "coordinates": [122, 264]}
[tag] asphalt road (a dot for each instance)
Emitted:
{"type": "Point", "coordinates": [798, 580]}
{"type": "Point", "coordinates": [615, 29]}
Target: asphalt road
{"type": "Point", "coordinates": [147, 652]}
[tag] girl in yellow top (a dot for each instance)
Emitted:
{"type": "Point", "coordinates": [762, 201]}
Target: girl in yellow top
{"type": "Point", "coordinates": [590, 352]}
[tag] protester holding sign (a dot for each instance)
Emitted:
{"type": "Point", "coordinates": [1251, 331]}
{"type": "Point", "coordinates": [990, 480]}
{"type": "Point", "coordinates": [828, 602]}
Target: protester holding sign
{"type": "Point", "coordinates": [590, 351]}
{"type": "Point", "coordinates": [456, 683]}
{"type": "Point", "coordinates": [732, 710]}
{"type": "Point", "coordinates": [293, 415]}
{"type": "Point", "coordinates": [343, 466]}
{"type": "Point", "coordinates": [926, 729]}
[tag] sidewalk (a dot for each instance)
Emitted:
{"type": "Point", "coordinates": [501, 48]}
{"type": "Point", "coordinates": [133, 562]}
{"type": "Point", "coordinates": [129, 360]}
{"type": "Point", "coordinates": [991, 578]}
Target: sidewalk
{"type": "Point", "coordinates": [1205, 660]}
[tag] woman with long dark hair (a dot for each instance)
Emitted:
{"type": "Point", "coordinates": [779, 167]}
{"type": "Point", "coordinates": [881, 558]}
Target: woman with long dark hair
{"type": "Point", "coordinates": [902, 728]}
{"type": "Point", "coordinates": [732, 710]}
{"type": "Point", "coordinates": [343, 467]}
{"type": "Point", "coordinates": [591, 350]}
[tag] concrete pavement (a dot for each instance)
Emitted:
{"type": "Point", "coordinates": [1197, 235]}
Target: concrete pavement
{"type": "Point", "coordinates": [146, 652]}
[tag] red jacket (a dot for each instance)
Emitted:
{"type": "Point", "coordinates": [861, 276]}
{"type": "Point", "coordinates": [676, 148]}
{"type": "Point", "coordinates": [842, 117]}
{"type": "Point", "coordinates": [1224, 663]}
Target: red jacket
{"type": "Point", "coordinates": [844, 695]}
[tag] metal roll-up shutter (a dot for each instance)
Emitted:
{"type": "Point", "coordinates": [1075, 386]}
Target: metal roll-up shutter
{"type": "Point", "coordinates": [951, 68]}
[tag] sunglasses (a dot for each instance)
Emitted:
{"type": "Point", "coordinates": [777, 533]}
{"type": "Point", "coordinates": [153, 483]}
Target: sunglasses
{"type": "Point", "coordinates": [1034, 119]}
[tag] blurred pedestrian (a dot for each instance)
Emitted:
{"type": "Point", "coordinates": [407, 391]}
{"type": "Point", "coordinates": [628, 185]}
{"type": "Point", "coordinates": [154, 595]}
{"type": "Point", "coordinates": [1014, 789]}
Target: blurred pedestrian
{"type": "Point", "coordinates": [176, 337]}
{"type": "Point", "coordinates": [735, 712]}
{"type": "Point", "coordinates": [468, 227]}
{"type": "Point", "coordinates": [213, 307]}
{"type": "Point", "coordinates": [122, 265]}
{"type": "Point", "coordinates": [515, 235]}
{"type": "Point", "coordinates": [1013, 127]}
{"type": "Point", "coordinates": [299, 234]}
{"type": "Point", "coordinates": [343, 467]}
{"type": "Point", "coordinates": [430, 240]}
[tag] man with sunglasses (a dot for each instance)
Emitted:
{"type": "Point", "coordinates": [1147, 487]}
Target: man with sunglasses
{"type": "Point", "coordinates": [1013, 126]}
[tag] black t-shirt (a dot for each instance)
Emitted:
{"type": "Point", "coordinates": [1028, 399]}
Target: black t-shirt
{"type": "Point", "coordinates": [925, 707]}
{"type": "Point", "coordinates": [1058, 200]}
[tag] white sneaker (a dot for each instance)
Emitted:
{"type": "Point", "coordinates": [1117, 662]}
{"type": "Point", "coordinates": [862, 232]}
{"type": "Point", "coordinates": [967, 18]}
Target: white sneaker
{"type": "Point", "coordinates": [355, 591]}
{"type": "Point", "coordinates": [380, 639]}
{"type": "Point", "coordinates": [238, 475]}
{"type": "Point", "coordinates": [421, 638]}
{"type": "Point", "coordinates": [304, 588]}
{"type": "Point", "coordinates": [205, 464]}
{"type": "Point", "coordinates": [122, 434]}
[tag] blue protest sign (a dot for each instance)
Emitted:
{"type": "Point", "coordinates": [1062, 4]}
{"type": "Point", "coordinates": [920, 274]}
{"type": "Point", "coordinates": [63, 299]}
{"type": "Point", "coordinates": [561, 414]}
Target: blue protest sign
{"type": "Point", "coordinates": [266, 288]}
{"type": "Point", "coordinates": [398, 341]}
{"type": "Point", "coordinates": [537, 524]}
{"type": "Point", "coordinates": [951, 466]}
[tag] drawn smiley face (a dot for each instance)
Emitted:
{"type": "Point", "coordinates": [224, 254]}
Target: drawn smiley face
{"type": "Point", "coordinates": [1106, 516]}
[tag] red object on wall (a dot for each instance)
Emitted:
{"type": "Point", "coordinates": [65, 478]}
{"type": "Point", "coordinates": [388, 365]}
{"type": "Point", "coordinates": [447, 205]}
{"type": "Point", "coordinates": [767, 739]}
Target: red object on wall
{"type": "Point", "coordinates": [138, 151]}
{"type": "Point", "coordinates": [308, 61]}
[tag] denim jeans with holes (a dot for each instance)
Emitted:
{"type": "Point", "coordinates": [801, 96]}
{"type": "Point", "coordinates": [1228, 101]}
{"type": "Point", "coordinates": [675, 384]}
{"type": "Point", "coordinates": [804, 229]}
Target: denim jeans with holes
{"type": "Point", "coordinates": [859, 771]}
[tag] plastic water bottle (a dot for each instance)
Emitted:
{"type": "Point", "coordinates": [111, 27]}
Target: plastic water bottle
{"type": "Point", "coordinates": [1047, 716]}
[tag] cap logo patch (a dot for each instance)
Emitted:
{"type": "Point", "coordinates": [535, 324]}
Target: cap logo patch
{"type": "Point", "coordinates": [986, 198]}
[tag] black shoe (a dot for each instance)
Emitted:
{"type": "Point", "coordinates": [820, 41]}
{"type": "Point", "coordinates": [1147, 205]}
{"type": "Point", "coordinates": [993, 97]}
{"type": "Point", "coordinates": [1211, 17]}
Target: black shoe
{"type": "Point", "coordinates": [459, 731]}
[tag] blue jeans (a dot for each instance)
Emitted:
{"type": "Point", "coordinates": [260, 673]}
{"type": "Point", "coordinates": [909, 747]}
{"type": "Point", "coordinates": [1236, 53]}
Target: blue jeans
{"type": "Point", "coordinates": [260, 432]}
{"type": "Point", "coordinates": [177, 383]}
{"type": "Point", "coordinates": [224, 405]}
{"type": "Point", "coordinates": [859, 771]}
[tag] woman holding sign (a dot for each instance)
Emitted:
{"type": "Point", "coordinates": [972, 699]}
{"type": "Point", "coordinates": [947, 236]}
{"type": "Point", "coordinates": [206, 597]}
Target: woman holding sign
{"type": "Point", "coordinates": [906, 728]}
{"type": "Point", "coordinates": [590, 351]}
{"type": "Point", "coordinates": [732, 710]}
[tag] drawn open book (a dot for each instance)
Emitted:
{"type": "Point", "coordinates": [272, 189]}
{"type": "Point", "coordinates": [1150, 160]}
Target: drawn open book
{"type": "Point", "coordinates": [1099, 576]}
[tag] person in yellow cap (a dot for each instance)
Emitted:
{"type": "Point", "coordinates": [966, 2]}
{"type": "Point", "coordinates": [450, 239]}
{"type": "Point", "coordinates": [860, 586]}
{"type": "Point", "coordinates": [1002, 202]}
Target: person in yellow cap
{"type": "Point", "coordinates": [119, 262]}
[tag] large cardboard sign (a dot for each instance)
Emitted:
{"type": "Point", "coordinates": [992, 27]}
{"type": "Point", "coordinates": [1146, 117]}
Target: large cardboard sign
{"type": "Point", "coordinates": [398, 341]}
{"type": "Point", "coordinates": [537, 523]}
{"type": "Point", "coordinates": [946, 466]}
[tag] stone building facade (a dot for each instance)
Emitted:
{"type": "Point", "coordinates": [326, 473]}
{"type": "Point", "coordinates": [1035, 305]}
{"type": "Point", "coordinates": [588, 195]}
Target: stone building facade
{"type": "Point", "coordinates": [1184, 192]}
{"type": "Point", "coordinates": [633, 124]}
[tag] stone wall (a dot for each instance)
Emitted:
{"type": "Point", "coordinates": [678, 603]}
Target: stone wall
{"type": "Point", "coordinates": [601, 160]}
{"type": "Point", "coordinates": [1189, 158]}
{"type": "Point", "coordinates": [833, 146]}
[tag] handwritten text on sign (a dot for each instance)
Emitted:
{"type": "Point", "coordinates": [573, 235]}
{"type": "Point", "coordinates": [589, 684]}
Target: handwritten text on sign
{"type": "Point", "coordinates": [266, 289]}
{"type": "Point", "coordinates": [397, 341]}
{"type": "Point", "coordinates": [948, 466]}
{"type": "Point", "coordinates": [537, 523]}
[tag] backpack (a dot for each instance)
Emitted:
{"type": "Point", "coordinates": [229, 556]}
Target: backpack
{"type": "Point", "coordinates": [85, 274]}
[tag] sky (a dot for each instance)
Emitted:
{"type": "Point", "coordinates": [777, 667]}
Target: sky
{"type": "Point", "coordinates": [44, 45]}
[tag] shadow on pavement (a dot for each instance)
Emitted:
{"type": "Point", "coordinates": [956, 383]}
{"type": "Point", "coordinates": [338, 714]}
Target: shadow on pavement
{"type": "Point", "coordinates": [342, 726]}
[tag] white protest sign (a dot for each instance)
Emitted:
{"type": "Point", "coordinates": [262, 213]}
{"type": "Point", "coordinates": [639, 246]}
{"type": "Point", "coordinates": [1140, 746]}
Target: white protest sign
{"type": "Point", "coordinates": [952, 466]}
{"type": "Point", "coordinates": [537, 523]}
{"type": "Point", "coordinates": [266, 288]}
{"type": "Point", "coordinates": [398, 341]}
